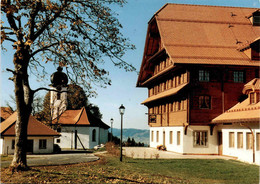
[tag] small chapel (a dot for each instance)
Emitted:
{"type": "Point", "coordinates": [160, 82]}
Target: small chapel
{"type": "Point", "coordinates": [79, 129]}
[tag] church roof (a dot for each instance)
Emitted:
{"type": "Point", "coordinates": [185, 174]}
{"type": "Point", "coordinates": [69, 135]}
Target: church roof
{"type": "Point", "coordinates": [79, 118]}
{"type": "Point", "coordinates": [198, 34]}
{"type": "Point", "coordinates": [244, 111]}
{"type": "Point", "coordinates": [35, 127]}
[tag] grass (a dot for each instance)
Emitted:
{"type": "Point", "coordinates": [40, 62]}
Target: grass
{"type": "Point", "coordinates": [110, 170]}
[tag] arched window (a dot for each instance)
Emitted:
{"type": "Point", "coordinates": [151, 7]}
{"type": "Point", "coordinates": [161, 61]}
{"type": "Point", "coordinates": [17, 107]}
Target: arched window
{"type": "Point", "coordinates": [94, 135]}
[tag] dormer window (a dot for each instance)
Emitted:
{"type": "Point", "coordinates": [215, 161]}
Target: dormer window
{"type": "Point", "coordinates": [256, 19]}
{"type": "Point", "coordinates": [252, 98]}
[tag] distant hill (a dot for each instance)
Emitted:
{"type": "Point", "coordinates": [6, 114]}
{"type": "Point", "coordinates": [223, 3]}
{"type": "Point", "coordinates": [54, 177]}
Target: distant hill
{"type": "Point", "coordinates": [138, 134]}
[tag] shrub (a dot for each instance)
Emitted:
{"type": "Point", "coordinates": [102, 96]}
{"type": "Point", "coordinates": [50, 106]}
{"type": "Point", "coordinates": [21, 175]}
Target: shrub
{"type": "Point", "coordinates": [112, 148]}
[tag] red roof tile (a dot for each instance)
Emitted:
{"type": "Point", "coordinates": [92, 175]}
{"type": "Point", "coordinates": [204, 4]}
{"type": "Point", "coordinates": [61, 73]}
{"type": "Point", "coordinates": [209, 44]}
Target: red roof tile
{"type": "Point", "coordinates": [35, 128]}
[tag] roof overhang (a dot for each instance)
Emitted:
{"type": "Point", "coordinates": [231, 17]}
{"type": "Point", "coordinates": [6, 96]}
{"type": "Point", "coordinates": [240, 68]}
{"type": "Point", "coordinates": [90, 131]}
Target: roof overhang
{"type": "Point", "coordinates": [165, 94]}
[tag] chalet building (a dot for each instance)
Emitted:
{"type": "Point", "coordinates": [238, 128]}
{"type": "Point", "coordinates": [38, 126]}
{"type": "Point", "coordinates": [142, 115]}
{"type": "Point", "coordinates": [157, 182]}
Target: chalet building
{"type": "Point", "coordinates": [196, 62]}
{"type": "Point", "coordinates": [79, 129]}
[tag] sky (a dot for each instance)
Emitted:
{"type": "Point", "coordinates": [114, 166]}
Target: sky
{"type": "Point", "coordinates": [134, 17]}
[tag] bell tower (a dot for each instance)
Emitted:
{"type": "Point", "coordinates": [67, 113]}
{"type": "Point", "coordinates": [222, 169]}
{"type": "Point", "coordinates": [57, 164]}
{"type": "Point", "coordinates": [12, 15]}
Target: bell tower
{"type": "Point", "coordinates": [58, 97]}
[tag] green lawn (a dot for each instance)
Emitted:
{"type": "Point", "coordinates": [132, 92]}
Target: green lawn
{"type": "Point", "coordinates": [110, 170]}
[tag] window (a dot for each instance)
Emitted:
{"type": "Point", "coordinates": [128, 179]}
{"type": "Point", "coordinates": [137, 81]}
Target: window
{"type": "Point", "coordinates": [252, 98]}
{"type": "Point", "coordinates": [240, 140]}
{"type": "Point", "coordinates": [178, 138]}
{"type": "Point", "coordinates": [94, 135]}
{"type": "Point", "coordinates": [170, 137]}
{"type": "Point", "coordinates": [258, 141]}
{"type": "Point", "coordinates": [178, 105]}
{"type": "Point", "coordinates": [13, 143]}
{"type": "Point", "coordinates": [200, 138]}
{"type": "Point", "coordinates": [238, 76]}
{"type": "Point", "coordinates": [152, 136]}
{"type": "Point", "coordinates": [249, 141]}
{"type": "Point", "coordinates": [157, 136]}
{"type": "Point", "coordinates": [203, 75]}
{"type": "Point", "coordinates": [42, 144]}
{"type": "Point", "coordinates": [204, 102]}
{"type": "Point", "coordinates": [231, 140]}
{"type": "Point", "coordinates": [59, 129]}
{"type": "Point", "coordinates": [256, 20]}
{"type": "Point", "coordinates": [57, 140]}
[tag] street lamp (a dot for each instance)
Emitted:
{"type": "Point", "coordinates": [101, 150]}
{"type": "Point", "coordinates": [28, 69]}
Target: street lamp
{"type": "Point", "coordinates": [121, 111]}
{"type": "Point", "coordinates": [111, 120]}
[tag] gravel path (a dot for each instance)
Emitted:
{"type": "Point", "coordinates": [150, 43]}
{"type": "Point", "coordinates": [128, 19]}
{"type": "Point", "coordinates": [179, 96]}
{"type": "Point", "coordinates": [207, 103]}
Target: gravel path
{"type": "Point", "coordinates": [151, 153]}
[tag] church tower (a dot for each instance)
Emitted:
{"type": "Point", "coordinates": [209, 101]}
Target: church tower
{"type": "Point", "coordinates": [58, 98]}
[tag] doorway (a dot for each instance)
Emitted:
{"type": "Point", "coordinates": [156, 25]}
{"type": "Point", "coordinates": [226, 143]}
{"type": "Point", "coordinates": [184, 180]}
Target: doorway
{"type": "Point", "coordinates": [220, 145]}
{"type": "Point", "coordinates": [29, 146]}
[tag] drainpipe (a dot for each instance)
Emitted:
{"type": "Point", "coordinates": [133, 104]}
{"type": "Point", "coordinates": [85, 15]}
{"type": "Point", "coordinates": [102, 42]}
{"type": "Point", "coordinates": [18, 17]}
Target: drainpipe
{"type": "Point", "coordinates": [252, 140]}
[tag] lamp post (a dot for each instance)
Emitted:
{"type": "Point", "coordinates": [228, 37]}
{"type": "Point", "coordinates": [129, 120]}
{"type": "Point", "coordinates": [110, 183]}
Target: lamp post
{"type": "Point", "coordinates": [121, 111]}
{"type": "Point", "coordinates": [111, 120]}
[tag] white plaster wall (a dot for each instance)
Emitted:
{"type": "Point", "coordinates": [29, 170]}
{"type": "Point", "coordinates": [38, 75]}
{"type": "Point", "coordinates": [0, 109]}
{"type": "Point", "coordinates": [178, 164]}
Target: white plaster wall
{"type": "Point", "coordinates": [103, 136]}
{"type": "Point", "coordinates": [212, 143]}
{"type": "Point", "coordinates": [1, 145]}
{"type": "Point", "coordinates": [93, 143]}
{"type": "Point", "coordinates": [186, 141]}
{"type": "Point", "coordinates": [7, 145]}
{"type": "Point", "coordinates": [67, 138]}
{"type": "Point", "coordinates": [170, 147]}
{"type": "Point", "coordinates": [242, 154]}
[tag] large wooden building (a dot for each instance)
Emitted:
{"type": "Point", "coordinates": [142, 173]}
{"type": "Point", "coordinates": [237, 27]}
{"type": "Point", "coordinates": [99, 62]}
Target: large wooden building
{"type": "Point", "coordinates": [196, 62]}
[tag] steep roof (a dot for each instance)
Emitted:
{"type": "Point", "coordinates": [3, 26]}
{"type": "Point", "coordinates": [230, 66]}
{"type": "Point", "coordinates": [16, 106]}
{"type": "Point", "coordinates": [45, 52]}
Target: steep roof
{"type": "Point", "coordinates": [244, 111]}
{"type": "Point", "coordinates": [35, 128]}
{"type": "Point", "coordinates": [5, 112]}
{"type": "Point", "coordinates": [78, 118]}
{"type": "Point", "coordinates": [197, 34]}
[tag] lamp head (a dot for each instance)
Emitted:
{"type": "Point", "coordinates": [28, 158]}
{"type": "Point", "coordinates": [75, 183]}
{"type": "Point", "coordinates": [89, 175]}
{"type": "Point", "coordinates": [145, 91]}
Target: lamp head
{"type": "Point", "coordinates": [122, 109]}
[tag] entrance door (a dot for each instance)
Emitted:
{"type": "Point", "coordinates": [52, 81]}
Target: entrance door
{"type": "Point", "coordinates": [164, 138]}
{"type": "Point", "coordinates": [220, 146]}
{"type": "Point", "coordinates": [29, 146]}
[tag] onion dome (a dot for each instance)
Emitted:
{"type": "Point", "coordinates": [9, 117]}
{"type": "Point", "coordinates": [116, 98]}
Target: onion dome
{"type": "Point", "coordinates": [59, 78]}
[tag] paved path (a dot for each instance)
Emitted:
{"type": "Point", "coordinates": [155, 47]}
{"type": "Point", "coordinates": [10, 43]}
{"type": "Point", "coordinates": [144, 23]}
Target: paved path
{"type": "Point", "coordinates": [151, 153]}
{"type": "Point", "coordinates": [56, 159]}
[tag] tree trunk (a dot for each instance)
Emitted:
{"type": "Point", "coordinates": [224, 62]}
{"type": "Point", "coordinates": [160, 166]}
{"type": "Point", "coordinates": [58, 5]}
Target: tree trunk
{"type": "Point", "coordinates": [24, 98]}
